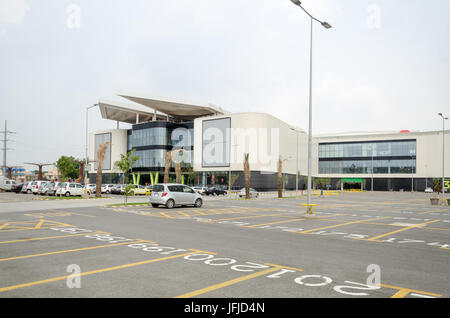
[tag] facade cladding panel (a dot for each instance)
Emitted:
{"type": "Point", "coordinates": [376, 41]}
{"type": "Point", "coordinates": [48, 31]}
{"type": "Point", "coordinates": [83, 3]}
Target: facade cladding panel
{"type": "Point", "coordinates": [383, 157]}
{"type": "Point", "coordinates": [216, 142]}
{"type": "Point", "coordinates": [152, 140]}
{"type": "Point", "coordinates": [99, 139]}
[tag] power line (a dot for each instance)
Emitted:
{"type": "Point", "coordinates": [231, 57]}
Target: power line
{"type": "Point", "coordinates": [5, 144]}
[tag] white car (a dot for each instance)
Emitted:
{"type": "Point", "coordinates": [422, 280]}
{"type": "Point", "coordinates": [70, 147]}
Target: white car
{"type": "Point", "coordinates": [428, 190]}
{"type": "Point", "coordinates": [35, 186]}
{"type": "Point", "coordinates": [200, 190]}
{"type": "Point", "coordinates": [106, 188]}
{"type": "Point", "coordinates": [253, 193]}
{"type": "Point", "coordinates": [70, 189]}
{"type": "Point", "coordinates": [26, 187]}
{"type": "Point", "coordinates": [91, 187]}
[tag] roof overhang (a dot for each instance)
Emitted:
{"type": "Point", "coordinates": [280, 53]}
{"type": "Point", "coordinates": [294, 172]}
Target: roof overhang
{"type": "Point", "coordinates": [179, 109]}
{"type": "Point", "coordinates": [126, 113]}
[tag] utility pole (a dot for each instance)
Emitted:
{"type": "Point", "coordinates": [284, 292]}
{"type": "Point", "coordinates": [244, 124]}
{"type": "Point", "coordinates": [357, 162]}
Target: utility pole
{"type": "Point", "coordinates": [5, 145]}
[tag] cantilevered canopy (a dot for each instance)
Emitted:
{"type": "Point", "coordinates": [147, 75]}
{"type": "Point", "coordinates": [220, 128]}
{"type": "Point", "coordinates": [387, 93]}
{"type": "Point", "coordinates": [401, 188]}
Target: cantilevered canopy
{"type": "Point", "coordinates": [126, 113]}
{"type": "Point", "coordinates": [179, 109]}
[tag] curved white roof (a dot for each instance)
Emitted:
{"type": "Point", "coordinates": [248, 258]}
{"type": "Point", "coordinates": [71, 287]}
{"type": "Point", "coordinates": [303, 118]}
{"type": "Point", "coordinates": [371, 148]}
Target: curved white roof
{"type": "Point", "coordinates": [180, 109]}
{"type": "Point", "coordinates": [125, 113]}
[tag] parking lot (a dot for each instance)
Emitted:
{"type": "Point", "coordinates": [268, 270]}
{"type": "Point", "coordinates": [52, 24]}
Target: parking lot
{"type": "Point", "coordinates": [264, 247]}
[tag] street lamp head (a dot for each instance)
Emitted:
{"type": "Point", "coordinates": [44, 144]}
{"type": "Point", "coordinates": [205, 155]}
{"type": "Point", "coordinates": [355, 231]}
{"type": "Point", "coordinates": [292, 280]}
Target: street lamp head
{"type": "Point", "coordinates": [440, 114]}
{"type": "Point", "coordinates": [296, 2]}
{"type": "Point", "coordinates": [326, 25]}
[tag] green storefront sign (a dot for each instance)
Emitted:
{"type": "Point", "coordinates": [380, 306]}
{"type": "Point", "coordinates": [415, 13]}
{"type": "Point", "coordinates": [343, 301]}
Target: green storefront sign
{"type": "Point", "coordinates": [351, 180]}
{"type": "Point", "coordinates": [446, 184]}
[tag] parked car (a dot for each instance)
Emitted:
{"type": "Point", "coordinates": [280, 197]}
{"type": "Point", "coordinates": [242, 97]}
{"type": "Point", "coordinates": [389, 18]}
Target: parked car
{"type": "Point", "coordinates": [428, 190]}
{"type": "Point", "coordinates": [253, 193]}
{"type": "Point", "coordinates": [215, 191]}
{"type": "Point", "coordinates": [17, 188]}
{"type": "Point", "coordinates": [70, 189]}
{"type": "Point", "coordinates": [6, 184]}
{"type": "Point", "coordinates": [140, 189]}
{"type": "Point", "coordinates": [25, 187]}
{"type": "Point", "coordinates": [91, 187]}
{"type": "Point", "coordinates": [118, 189]}
{"type": "Point", "coordinates": [51, 188]}
{"type": "Point", "coordinates": [200, 190]}
{"type": "Point", "coordinates": [35, 186]}
{"type": "Point", "coordinates": [106, 188]}
{"type": "Point", "coordinates": [42, 190]}
{"type": "Point", "coordinates": [172, 194]}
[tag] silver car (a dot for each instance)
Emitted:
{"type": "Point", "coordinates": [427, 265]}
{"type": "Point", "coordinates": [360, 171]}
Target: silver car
{"type": "Point", "coordinates": [172, 194]}
{"type": "Point", "coordinates": [252, 193]}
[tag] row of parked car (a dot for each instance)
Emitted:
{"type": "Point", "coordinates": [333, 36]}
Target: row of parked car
{"type": "Point", "coordinates": [72, 188]}
{"type": "Point", "coordinates": [77, 189]}
{"type": "Point", "coordinates": [221, 191]}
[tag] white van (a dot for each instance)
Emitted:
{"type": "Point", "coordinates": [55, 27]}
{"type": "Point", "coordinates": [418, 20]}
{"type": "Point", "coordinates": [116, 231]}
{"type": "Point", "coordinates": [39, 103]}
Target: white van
{"type": "Point", "coordinates": [6, 184]}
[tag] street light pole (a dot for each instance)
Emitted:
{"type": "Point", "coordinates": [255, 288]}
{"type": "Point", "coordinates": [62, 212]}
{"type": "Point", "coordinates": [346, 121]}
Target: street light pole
{"type": "Point", "coordinates": [412, 174]}
{"type": "Point", "coordinates": [87, 137]}
{"type": "Point", "coordinates": [326, 25]}
{"type": "Point", "coordinates": [443, 155]}
{"type": "Point", "coordinates": [372, 171]}
{"type": "Point", "coordinates": [296, 164]}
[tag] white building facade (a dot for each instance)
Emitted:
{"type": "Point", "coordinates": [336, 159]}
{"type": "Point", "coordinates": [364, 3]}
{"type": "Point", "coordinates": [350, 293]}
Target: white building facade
{"type": "Point", "coordinates": [214, 143]}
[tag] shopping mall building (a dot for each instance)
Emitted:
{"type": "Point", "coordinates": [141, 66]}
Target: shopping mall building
{"type": "Point", "coordinates": [211, 144]}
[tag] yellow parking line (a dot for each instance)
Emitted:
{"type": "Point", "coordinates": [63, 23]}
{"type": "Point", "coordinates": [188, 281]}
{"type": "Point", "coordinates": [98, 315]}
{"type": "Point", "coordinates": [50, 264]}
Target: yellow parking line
{"type": "Point", "coordinates": [201, 213]}
{"type": "Point", "coordinates": [287, 221]}
{"type": "Point", "coordinates": [342, 224]}
{"type": "Point", "coordinates": [227, 283]}
{"type": "Point", "coordinates": [66, 251]}
{"type": "Point", "coordinates": [52, 237]}
{"type": "Point", "coordinates": [183, 213]}
{"type": "Point", "coordinates": [39, 282]}
{"type": "Point", "coordinates": [21, 228]}
{"type": "Point", "coordinates": [278, 222]}
{"type": "Point", "coordinates": [91, 216]}
{"type": "Point", "coordinates": [402, 292]}
{"type": "Point", "coordinates": [38, 226]}
{"type": "Point", "coordinates": [284, 267]}
{"type": "Point", "coordinates": [4, 225]}
{"type": "Point", "coordinates": [374, 238]}
{"type": "Point", "coordinates": [243, 217]}
{"type": "Point", "coordinates": [166, 215]}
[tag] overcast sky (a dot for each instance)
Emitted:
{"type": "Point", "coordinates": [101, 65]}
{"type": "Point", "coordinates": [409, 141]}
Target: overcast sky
{"type": "Point", "coordinates": [385, 64]}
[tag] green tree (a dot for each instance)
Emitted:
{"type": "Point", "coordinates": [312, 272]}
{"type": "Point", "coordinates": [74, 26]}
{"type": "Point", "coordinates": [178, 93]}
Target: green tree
{"type": "Point", "coordinates": [68, 167]}
{"type": "Point", "coordinates": [125, 164]}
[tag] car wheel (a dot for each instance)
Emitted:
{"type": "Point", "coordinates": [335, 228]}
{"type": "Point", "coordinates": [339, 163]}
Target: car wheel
{"type": "Point", "coordinates": [170, 204]}
{"type": "Point", "coordinates": [198, 203]}
{"type": "Point", "coordinates": [67, 194]}
{"type": "Point", "coordinates": [155, 205]}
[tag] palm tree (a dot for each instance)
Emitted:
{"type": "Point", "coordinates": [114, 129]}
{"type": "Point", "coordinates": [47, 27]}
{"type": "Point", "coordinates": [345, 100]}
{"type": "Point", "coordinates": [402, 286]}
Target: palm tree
{"type": "Point", "coordinates": [167, 167]}
{"type": "Point", "coordinates": [169, 156]}
{"type": "Point", "coordinates": [100, 157]}
{"type": "Point", "coordinates": [247, 176]}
